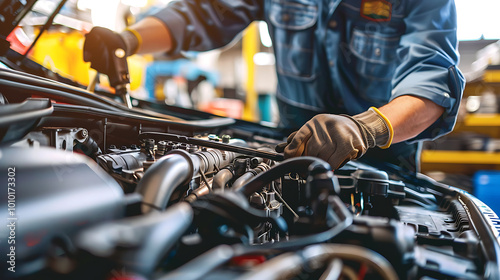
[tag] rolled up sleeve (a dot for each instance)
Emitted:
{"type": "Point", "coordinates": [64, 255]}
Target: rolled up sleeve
{"type": "Point", "coordinates": [201, 25]}
{"type": "Point", "coordinates": [428, 61]}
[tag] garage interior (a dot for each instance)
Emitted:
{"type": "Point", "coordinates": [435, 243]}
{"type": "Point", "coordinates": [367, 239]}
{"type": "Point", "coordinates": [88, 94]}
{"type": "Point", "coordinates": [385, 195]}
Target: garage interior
{"type": "Point", "coordinates": [238, 81]}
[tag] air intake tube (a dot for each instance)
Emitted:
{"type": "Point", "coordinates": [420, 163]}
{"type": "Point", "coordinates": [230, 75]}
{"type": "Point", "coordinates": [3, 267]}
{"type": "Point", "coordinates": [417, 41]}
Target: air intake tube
{"type": "Point", "coordinates": [163, 177]}
{"type": "Point", "coordinates": [175, 169]}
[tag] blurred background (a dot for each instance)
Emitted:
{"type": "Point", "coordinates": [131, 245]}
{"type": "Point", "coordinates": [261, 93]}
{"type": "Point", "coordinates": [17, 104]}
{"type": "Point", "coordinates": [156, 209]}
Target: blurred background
{"type": "Point", "coordinates": [239, 80]}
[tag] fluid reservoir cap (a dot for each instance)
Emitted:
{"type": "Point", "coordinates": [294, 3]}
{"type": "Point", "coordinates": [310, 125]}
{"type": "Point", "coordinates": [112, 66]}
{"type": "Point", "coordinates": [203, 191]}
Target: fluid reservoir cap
{"type": "Point", "coordinates": [226, 138]}
{"type": "Point", "coordinates": [371, 182]}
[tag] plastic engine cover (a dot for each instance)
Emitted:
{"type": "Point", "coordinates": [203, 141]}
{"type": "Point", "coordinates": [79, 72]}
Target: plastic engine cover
{"type": "Point", "coordinates": [50, 196]}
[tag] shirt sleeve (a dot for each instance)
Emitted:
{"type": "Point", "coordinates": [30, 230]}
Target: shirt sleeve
{"type": "Point", "coordinates": [428, 59]}
{"type": "Point", "coordinates": [201, 25]}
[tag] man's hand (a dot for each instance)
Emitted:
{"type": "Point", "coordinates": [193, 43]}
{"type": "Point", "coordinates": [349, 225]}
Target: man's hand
{"type": "Point", "coordinates": [107, 51]}
{"type": "Point", "coordinates": [338, 139]}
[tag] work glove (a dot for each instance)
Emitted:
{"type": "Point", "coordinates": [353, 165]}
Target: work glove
{"type": "Point", "coordinates": [338, 139]}
{"type": "Point", "coordinates": [107, 50]}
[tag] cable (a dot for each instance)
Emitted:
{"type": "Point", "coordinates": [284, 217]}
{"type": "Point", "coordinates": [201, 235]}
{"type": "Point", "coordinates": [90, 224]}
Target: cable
{"type": "Point", "coordinates": [284, 202]}
{"type": "Point", "coordinates": [43, 85]}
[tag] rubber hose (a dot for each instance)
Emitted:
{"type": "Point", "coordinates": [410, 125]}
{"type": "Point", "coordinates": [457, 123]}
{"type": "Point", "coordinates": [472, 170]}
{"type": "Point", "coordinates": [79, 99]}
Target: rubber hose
{"type": "Point", "coordinates": [249, 175]}
{"type": "Point", "coordinates": [298, 165]}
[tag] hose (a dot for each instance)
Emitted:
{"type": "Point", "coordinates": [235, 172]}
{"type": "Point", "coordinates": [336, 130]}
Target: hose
{"type": "Point", "coordinates": [222, 178]}
{"type": "Point", "coordinates": [333, 271]}
{"type": "Point", "coordinates": [284, 266]}
{"type": "Point", "coordinates": [175, 169]}
{"type": "Point", "coordinates": [70, 94]}
{"type": "Point", "coordinates": [249, 175]}
{"type": "Point", "coordinates": [201, 265]}
{"type": "Point", "coordinates": [297, 165]}
{"type": "Point", "coordinates": [89, 147]}
{"type": "Point", "coordinates": [201, 191]}
{"type": "Point", "coordinates": [319, 254]}
{"type": "Point", "coordinates": [139, 242]}
{"type": "Point", "coordinates": [304, 166]}
{"type": "Point", "coordinates": [163, 177]}
{"type": "Point", "coordinates": [315, 257]}
{"type": "Point", "coordinates": [213, 160]}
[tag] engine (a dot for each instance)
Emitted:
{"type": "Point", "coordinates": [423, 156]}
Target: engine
{"type": "Point", "coordinates": [95, 190]}
{"type": "Point", "coordinates": [215, 207]}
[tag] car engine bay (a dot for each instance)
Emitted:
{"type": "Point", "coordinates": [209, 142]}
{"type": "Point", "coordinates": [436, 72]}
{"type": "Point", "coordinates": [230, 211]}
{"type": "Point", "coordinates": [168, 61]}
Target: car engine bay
{"type": "Point", "coordinates": [155, 192]}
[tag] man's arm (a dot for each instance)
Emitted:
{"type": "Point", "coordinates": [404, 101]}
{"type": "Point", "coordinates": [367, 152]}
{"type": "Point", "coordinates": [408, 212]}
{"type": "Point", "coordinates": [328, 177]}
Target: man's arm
{"type": "Point", "coordinates": [154, 36]}
{"type": "Point", "coordinates": [410, 115]}
{"type": "Point", "coordinates": [427, 69]}
{"type": "Point", "coordinates": [340, 138]}
{"type": "Point", "coordinates": [196, 25]}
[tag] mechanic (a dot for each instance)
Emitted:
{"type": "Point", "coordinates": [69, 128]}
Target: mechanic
{"type": "Point", "coordinates": [361, 74]}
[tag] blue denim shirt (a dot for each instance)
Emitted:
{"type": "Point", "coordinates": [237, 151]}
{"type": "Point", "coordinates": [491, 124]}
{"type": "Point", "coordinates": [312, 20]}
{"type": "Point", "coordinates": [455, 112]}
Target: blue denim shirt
{"type": "Point", "coordinates": [335, 56]}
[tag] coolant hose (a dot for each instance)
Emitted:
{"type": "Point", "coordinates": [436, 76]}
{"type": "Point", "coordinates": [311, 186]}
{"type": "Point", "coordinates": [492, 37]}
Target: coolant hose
{"type": "Point", "coordinates": [249, 175]}
{"type": "Point", "coordinates": [298, 165]}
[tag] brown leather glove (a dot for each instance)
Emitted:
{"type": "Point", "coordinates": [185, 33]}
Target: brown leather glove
{"type": "Point", "coordinates": [338, 139]}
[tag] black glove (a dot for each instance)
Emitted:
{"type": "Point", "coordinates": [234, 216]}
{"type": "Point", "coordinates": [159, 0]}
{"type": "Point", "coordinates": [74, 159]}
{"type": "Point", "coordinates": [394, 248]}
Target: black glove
{"type": "Point", "coordinates": [338, 139]}
{"type": "Point", "coordinates": [106, 51]}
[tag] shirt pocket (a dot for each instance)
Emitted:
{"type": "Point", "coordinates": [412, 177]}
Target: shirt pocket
{"type": "Point", "coordinates": [292, 26]}
{"type": "Point", "coordinates": [375, 54]}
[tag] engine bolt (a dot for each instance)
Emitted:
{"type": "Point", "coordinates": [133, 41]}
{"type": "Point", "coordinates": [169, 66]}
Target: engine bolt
{"type": "Point", "coordinates": [83, 133]}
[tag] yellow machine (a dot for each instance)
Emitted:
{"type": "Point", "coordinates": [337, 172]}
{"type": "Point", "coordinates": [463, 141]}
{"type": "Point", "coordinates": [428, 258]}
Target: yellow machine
{"type": "Point", "coordinates": [62, 52]}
